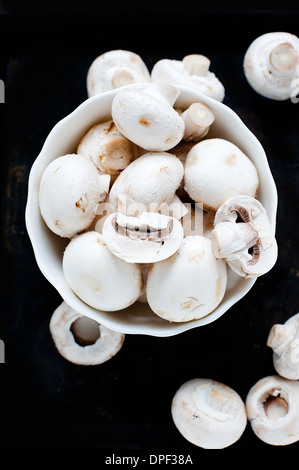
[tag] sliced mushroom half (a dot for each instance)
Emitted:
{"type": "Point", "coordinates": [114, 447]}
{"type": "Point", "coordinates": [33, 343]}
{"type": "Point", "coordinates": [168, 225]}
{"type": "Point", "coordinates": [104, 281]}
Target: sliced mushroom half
{"type": "Point", "coordinates": [243, 236]}
{"type": "Point", "coordinates": [147, 238]}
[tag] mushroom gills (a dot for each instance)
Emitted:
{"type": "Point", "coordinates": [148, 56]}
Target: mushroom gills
{"type": "Point", "coordinates": [243, 236]}
{"type": "Point", "coordinates": [147, 238]}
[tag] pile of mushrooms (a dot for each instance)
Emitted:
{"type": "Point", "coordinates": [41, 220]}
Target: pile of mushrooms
{"type": "Point", "coordinates": [160, 212]}
{"type": "Point", "coordinates": [148, 169]}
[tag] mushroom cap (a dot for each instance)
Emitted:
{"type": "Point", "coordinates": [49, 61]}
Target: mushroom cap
{"type": "Point", "coordinates": [215, 170]}
{"type": "Point", "coordinates": [147, 238]}
{"type": "Point", "coordinates": [272, 406]}
{"type": "Point", "coordinates": [252, 251]}
{"type": "Point", "coordinates": [150, 180]}
{"type": "Point", "coordinates": [104, 344]}
{"type": "Point", "coordinates": [179, 72]}
{"type": "Point", "coordinates": [114, 69]}
{"type": "Point", "coordinates": [284, 341]}
{"type": "Point", "coordinates": [208, 413]}
{"type": "Point", "coordinates": [190, 284]}
{"type": "Point", "coordinates": [149, 121]}
{"type": "Point", "coordinates": [271, 63]}
{"type": "Point", "coordinates": [97, 276]}
{"type": "Point", "coordinates": [69, 193]}
{"type": "Point", "coordinates": [109, 150]}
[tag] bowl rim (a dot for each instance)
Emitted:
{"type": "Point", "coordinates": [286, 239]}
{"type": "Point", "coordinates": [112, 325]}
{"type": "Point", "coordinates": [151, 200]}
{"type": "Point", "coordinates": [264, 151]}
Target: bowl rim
{"type": "Point", "coordinates": [170, 329]}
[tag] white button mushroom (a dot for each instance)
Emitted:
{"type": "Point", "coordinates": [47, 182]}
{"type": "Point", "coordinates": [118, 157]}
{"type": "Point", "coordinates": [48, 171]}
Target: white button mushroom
{"type": "Point", "coordinates": [271, 64]}
{"type": "Point", "coordinates": [208, 413]}
{"type": "Point", "coordinates": [272, 406]}
{"type": "Point", "coordinates": [244, 237]}
{"type": "Point", "coordinates": [97, 276]}
{"type": "Point", "coordinates": [147, 238]}
{"type": "Point", "coordinates": [216, 170]}
{"type": "Point", "coordinates": [145, 117]}
{"type": "Point", "coordinates": [114, 69]}
{"type": "Point", "coordinates": [150, 180]}
{"type": "Point", "coordinates": [190, 284]}
{"type": "Point", "coordinates": [193, 72]}
{"type": "Point", "coordinates": [82, 340]}
{"type": "Point", "coordinates": [69, 193]}
{"type": "Point", "coordinates": [110, 151]}
{"type": "Point", "coordinates": [284, 341]}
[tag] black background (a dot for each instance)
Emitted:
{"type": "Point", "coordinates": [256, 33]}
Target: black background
{"type": "Point", "coordinates": [123, 406]}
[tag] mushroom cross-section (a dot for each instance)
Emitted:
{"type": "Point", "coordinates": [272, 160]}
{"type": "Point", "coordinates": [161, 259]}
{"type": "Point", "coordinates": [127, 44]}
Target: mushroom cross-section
{"type": "Point", "coordinates": [70, 191]}
{"type": "Point", "coordinates": [208, 413]}
{"type": "Point", "coordinates": [272, 406]}
{"type": "Point", "coordinates": [114, 69]}
{"type": "Point", "coordinates": [244, 237]}
{"type": "Point", "coordinates": [97, 276]}
{"type": "Point", "coordinates": [190, 284]}
{"type": "Point", "coordinates": [192, 71]}
{"type": "Point", "coordinates": [82, 340]}
{"type": "Point", "coordinates": [147, 238]}
{"type": "Point", "coordinates": [284, 341]}
{"type": "Point", "coordinates": [271, 64]}
{"type": "Point", "coordinates": [147, 118]}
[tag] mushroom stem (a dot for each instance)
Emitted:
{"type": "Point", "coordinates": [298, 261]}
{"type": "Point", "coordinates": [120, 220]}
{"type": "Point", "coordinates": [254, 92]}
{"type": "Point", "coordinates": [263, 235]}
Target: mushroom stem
{"type": "Point", "coordinates": [196, 64]}
{"type": "Point", "coordinates": [197, 118]}
{"type": "Point", "coordinates": [118, 76]}
{"type": "Point", "coordinates": [229, 239]}
{"type": "Point", "coordinates": [283, 59]}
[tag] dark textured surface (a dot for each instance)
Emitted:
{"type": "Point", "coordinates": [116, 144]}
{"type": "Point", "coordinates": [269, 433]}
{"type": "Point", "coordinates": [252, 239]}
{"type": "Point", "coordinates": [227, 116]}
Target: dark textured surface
{"type": "Point", "coordinates": [47, 402]}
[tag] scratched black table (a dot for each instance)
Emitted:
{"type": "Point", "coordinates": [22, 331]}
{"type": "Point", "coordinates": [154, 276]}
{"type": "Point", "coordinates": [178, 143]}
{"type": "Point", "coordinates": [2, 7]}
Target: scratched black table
{"type": "Point", "coordinates": [123, 405]}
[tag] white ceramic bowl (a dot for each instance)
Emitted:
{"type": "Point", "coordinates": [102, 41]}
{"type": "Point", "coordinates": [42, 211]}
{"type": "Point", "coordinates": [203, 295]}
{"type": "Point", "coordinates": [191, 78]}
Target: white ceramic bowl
{"type": "Point", "coordinates": [48, 247]}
